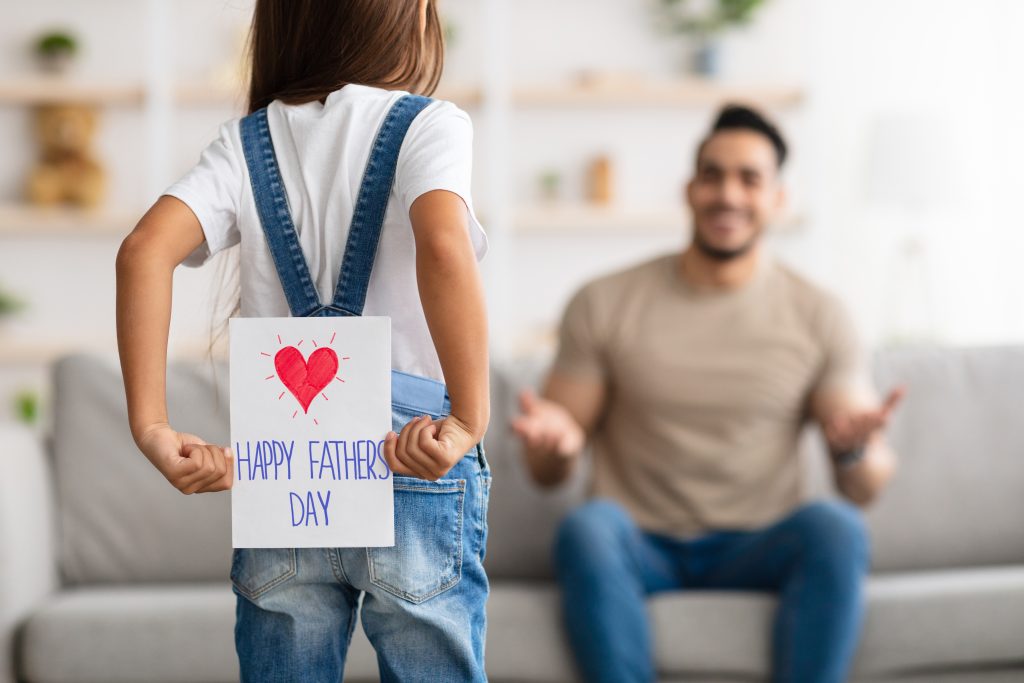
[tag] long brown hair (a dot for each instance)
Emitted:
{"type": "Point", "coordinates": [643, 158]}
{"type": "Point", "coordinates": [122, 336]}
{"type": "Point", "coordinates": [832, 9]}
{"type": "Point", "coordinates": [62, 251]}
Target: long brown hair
{"type": "Point", "coordinates": [303, 50]}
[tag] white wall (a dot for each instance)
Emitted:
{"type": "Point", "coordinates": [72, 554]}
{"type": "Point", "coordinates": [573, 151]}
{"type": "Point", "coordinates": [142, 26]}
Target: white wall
{"type": "Point", "coordinates": [956, 62]}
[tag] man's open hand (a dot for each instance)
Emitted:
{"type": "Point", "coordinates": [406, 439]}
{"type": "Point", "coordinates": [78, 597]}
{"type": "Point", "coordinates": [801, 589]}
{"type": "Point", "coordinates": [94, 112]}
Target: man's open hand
{"type": "Point", "coordinates": [547, 427]}
{"type": "Point", "coordinates": [848, 430]}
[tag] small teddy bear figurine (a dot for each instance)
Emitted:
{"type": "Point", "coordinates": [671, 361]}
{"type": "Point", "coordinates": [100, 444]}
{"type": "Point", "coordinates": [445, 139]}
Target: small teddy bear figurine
{"type": "Point", "coordinates": [66, 171]}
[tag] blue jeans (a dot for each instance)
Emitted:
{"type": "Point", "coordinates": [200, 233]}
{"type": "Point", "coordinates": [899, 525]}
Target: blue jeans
{"type": "Point", "coordinates": [422, 600]}
{"type": "Point", "coordinates": [815, 560]}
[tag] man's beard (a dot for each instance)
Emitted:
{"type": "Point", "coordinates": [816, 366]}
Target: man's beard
{"type": "Point", "coordinates": [722, 255]}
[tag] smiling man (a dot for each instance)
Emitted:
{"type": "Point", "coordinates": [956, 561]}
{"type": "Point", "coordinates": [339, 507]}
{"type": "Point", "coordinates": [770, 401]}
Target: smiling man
{"type": "Point", "coordinates": [693, 374]}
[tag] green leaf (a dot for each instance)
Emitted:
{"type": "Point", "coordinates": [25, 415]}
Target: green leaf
{"type": "Point", "coordinates": [9, 303]}
{"type": "Point", "coordinates": [679, 16]}
{"type": "Point", "coordinates": [26, 406]}
{"type": "Point", "coordinates": [56, 42]}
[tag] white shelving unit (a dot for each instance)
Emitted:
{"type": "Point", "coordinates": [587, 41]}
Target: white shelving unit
{"type": "Point", "coordinates": [682, 93]}
{"type": "Point", "coordinates": [58, 90]}
{"type": "Point", "coordinates": [159, 99]}
{"type": "Point", "coordinates": [493, 103]}
{"type": "Point", "coordinates": [13, 353]}
{"type": "Point", "coordinates": [568, 218]}
{"type": "Point", "coordinates": [582, 218]}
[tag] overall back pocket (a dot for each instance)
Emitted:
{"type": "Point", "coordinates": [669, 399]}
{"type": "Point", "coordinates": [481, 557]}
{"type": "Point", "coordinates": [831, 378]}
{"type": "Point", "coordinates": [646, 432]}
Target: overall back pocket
{"type": "Point", "coordinates": [426, 559]}
{"type": "Point", "coordinates": [256, 571]}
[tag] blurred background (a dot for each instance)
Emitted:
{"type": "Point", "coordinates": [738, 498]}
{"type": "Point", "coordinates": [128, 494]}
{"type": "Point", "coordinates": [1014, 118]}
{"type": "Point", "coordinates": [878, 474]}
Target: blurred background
{"type": "Point", "coordinates": [904, 126]}
{"type": "Point", "coordinates": [903, 120]}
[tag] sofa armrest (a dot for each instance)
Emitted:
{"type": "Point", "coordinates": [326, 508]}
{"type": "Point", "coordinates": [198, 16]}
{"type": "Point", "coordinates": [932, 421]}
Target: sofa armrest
{"type": "Point", "coordinates": [28, 563]}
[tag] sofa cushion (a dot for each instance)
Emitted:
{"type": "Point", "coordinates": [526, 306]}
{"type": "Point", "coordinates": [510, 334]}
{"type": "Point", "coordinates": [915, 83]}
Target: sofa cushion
{"type": "Point", "coordinates": [119, 518]}
{"type": "Point", "coordinates": [167, 633]}
{"type": "Point", "coordinates": [944, 619]}
{"type": "Point", "coordinates": [917, 622]}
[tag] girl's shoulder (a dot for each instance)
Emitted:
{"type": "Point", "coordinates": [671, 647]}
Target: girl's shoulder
{"type": "Point", "coordinates": [442, 120]}
{"type": "Point", "coordinates": [436, 118]}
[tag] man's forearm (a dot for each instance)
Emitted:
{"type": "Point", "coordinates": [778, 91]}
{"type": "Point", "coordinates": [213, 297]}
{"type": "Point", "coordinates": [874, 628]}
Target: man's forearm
{"type": "Point", "coordinates": [549, 469]}
{"type": "Point", "coordinates": [863, 481]}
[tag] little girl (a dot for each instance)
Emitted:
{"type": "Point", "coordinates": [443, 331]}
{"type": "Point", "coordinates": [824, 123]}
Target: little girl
{"type": "Point", "coordinates": [346, 195]}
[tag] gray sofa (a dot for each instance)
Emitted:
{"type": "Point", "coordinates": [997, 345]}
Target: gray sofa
{"type": "Point", "coordinates": [107, 574]}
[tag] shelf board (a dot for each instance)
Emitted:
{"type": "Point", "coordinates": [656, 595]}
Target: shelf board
{"type": "Point", "coordinates": [544, 219]}
{"type": "Point", "coordinates": [204, 94]}
{"type": "Point", "coordinates": [28, 221]}
{"type": "Point", "coordinates": [25, 220]}
{"type": "Point", "coordinates": [655, 94]}
{"type": "Point", "coordinates": [695, 92]}
{"type": "Point", "coordinates": [209, 94]}
{"type": "Point", "coordinates": [57, 90]}
{"type": "Point", "coordinates": [17, 352]}
{"type": "Point", "coordinates": [462, 95]}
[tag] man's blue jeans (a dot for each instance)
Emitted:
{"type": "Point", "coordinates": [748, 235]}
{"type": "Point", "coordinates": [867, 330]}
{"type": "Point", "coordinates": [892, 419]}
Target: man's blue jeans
{"type": "Point", "coordinates": [815, 560]}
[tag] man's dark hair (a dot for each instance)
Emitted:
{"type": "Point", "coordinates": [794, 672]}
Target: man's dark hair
{"type": "Point", "coordinates": [738, 117]}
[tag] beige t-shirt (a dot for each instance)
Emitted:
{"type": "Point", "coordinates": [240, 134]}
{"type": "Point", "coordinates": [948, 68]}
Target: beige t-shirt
{"type": "Point", "coordinates": [708, 390]}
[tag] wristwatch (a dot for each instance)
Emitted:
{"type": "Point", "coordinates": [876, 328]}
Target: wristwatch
{"type": "Point", "coordinates": [847, 459]}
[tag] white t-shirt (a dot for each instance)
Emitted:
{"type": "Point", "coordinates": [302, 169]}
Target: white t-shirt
{"type": "Point", "coordinates": [322, 152]}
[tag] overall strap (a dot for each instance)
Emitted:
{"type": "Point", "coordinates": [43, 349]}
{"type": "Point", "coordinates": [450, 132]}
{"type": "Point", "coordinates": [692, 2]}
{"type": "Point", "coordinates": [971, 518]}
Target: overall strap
{"type": "Point", "coordinates": [372, 204]}
{"type": "Point", "coordinates": [272, 206]}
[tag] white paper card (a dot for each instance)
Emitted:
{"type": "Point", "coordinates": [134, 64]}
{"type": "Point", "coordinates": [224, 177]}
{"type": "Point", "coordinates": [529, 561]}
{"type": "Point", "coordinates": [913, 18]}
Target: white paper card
{"type": "Point", "coordinates": [310, 406]}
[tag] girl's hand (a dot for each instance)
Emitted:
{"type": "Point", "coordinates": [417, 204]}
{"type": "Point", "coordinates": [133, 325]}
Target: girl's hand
{"type": "Point", "coordinates": [427, 449]}
{"type": "Point", "coordinates": [188, 462]}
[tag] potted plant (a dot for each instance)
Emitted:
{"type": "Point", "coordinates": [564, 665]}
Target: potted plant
{"type": "Point", "coordinates": [705, 21]}
{"type": "Point", "coordinates": [55, 50]}
{"type": "Point", "coordinates": [26, 406]}
{"type": "Point", "coordinates": [9, 304]}
{"type": "Point", "coordinates": [550, 183]}
{"type": "Point", "coordinates": [450, 29]}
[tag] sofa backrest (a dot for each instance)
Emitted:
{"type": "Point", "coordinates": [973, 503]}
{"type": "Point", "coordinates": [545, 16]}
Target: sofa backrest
{"type": "Point", "coordinates": [957, 499]}
{"type": "Point", "coordinates": [119, 518]}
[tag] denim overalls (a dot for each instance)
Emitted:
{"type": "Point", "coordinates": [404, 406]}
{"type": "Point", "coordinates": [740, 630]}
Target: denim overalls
{"type": "Point", "coordinates": [423, 599]}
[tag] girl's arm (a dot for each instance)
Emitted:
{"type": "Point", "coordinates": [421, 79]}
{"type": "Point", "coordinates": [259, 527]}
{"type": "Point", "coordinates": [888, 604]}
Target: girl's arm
{"type": "Point", "coordinates": [453, 302]}
{"type": "Point", "coordinates": [165, 236]}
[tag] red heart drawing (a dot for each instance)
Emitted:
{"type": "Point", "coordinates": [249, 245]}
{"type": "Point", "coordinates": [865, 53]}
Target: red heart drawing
{"type": "Point", "coordinates": [306, 378]}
